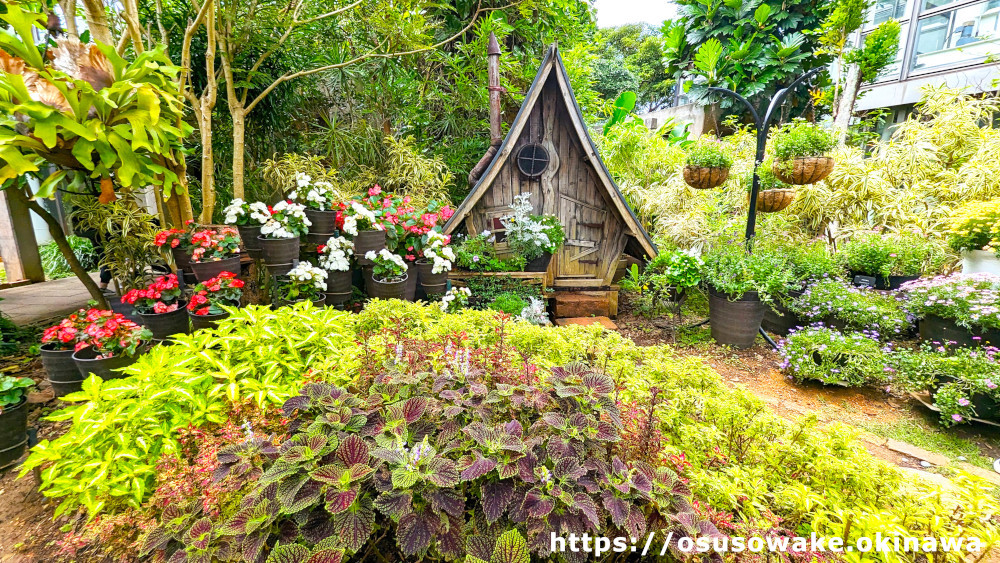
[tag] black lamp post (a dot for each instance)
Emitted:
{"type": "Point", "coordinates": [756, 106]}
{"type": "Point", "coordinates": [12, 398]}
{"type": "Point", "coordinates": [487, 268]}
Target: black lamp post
{"type": "Point", "coordinates": [762, 126]}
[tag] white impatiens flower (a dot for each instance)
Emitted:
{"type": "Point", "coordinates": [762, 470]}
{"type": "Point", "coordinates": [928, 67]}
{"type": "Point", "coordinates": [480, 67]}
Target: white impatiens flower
{"type": "Point", "coordinates": [364, 217]}
{"type": "Point", "coordinates": [275, 229]}
{"type": "Point", "coordinates": [336, 254]}
{"type": "Point", "coordinates": [233, 211]}
{"type": "Point", "coordinates": [303, 180]}
{"type": "Point", "coordinates": [387, 266]}
{"type": "Point", "coordinates": [259, 212]}
{"type": "Point", "coordinates": [350, 225]}
{"type": "Point", "coordinates": [307, 274]}
{"type": "Point", "coordinates": [437, 252]}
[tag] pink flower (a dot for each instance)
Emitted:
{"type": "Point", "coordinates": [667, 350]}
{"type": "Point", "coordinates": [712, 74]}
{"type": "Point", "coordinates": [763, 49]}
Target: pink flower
{"type": "Point", "coordinates": [956, 417]}
{"type": "Point", "coordinates": [374, 190]}
{"type": "Point", "coordinates": [963, 402]}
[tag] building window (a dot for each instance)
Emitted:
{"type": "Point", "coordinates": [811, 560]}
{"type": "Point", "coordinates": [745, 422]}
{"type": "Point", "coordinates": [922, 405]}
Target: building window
{"type": "Point", "coordinates": [965, 34]}
{"type": "Point", "coordinates": [885, 10]}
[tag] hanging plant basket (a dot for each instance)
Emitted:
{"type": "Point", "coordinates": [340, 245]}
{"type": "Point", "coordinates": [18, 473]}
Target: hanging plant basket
{"type": "Point", "coordinates": [772, 201]}
{"type": "Point", "coordinates": [702, 178]}
{"type": "Point", "coordinates": [803, 170]}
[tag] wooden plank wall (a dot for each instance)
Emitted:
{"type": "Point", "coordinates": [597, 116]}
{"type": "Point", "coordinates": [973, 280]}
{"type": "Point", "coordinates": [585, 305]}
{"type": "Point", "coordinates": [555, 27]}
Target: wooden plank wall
{"type": "Point", "coordinates": [569, 188]}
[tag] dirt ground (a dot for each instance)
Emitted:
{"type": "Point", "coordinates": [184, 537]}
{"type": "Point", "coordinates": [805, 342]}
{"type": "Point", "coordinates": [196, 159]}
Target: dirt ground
{"type": "Point", "coordinates": [29, 534]}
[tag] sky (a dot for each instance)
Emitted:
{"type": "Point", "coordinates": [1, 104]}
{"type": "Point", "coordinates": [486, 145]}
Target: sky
{"type": "Point", "coordinates": [618, 12]}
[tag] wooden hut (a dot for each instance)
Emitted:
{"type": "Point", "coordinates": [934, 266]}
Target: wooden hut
{"type": "Point", "coordinates": [548, 152]}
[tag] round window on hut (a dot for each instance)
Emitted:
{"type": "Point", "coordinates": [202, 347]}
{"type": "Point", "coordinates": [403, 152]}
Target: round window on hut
{"type": "Point", "coordinates": [532, 160]}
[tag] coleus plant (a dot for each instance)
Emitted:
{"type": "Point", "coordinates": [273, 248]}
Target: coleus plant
{"type": "Point", "coordinates": [445, 463]}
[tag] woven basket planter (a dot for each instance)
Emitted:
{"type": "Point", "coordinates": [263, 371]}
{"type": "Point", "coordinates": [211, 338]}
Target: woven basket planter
{"type": "Point", "coordinates": [701, 178]}
{"type": "Point", "coordinates": [804, 170]}
{"type": "Point", "coordinates": [772, 201]}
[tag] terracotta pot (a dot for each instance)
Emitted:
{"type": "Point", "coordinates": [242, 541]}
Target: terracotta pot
{"type": "Point", "coordinates": [703, 178]}
{"type": "Point", "coordinates": [937, 329]}
{"type": "Point", "coordinates": [13, 433]}
{"type": "Point", "coordinates": [339, 282]}
{"type": "Point", "coordinates": [735, 322]}
{"type": "Point", "coordinates": [204, 271]}
{"type": "Point", "coordinates": [539, 264]}
{"type": "Point", "coordinates": [105, 368]}
{"type": "Point", "coordinates": [365, 241]}
{"type": "Point", "coordinates": [388, 290]}
{"type": "Point", "coordinates": [322, 221]}
{"type": "Point", "coordinates": [433, 284]}
{"type": "Point", "coordinates": [249, 234]}
{"type": "Point", "coordinates": [61, 370]}
{"type": "Point", "coordinates": [279, 250]}
{"type": "Point", "coordinates": [165, 325]}
{"type": "Point", "coordinates": [199, 322]}
{"type": "Point", "coordinates": [772, 201]}
{"type": "Point", "coordinates": [804, 170]}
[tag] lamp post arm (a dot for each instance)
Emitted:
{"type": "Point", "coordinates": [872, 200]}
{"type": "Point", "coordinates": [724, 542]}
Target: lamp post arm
{"type": "Point", "coordinates": [779, 98]}
{"type": "Point", "coordinates": [731, 94]}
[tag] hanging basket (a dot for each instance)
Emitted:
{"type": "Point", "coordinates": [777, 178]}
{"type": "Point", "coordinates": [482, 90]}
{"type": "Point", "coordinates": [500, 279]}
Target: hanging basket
{"type": "Point", "coordinates": [772, 201]}
{"type": "Point", "coordinates": [803, 170]}
{"type": "Point", "coordinates": [701, 178]}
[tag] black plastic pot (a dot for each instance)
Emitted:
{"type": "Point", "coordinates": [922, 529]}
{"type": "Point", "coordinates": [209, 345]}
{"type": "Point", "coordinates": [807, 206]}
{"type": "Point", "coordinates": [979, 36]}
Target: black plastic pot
{"type": "Point", "coordinates": [335, 299]}
{"type": "Point", "coordinates": [279, 250]}
{"type": "Point", "coordinates": [937, 329]}
{"type": "Point", "coordinates": [165, 325]}
{"type": "Point", "coordinates": [123, 308]}
{"type": "Point", "coordinates": [986, 407]}
{"type": "Point", "coordinates": [315, 239]}
{"type": "Point", "coordinates": [199, 322]}
{"type": "Point", "coordinates": [322, 221]}
{"type": "Point", "coordinates": [204, 271]}
{"type": "Point", "coordinates": [13, 433]}
{"type": "Point", "coordinates": [249, 234]}
{"type": "Point", "coordinates": [432, 284]}
{"type": "Point", "coordinates": [105, 368]}
{"type": "Point", "coordinates": [366, 241]}
{"type": "Point", "coordinates": [735, 322]}
{"type": "Point", "coordinates": [182, 259]}
{"type": "Point", "coordinates": [896, 281]}
{"type": "Point", "coordinates": [62, 372]}
{"type": "Point", "coordinates": [781, 320]}
{"type": "Point", "coordinates": [539, 264]}
{"type": "Point", "coordinates": [338, 281]}
{"type": "Point", "coordinates": [388, 290]}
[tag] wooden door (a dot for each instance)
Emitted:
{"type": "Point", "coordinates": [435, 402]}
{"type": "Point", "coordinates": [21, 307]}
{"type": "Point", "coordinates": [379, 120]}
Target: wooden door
{"type": "Point", "coordinates": [584, 223]}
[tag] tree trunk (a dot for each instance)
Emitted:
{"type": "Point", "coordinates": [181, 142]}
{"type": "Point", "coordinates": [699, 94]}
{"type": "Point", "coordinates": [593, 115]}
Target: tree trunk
{"type": "Point", "coordinates": [845, 109]}
{"type": "Point", "coordinates": [239, 131]}
{"type": "Point", "coordinates": [69, 15]}
{"type": "Point", "coordinates": [97, 22]}
{"type": "Point", "coordinates": [56, 231]}
{"type": "Point", "coordinates": [207, 165]}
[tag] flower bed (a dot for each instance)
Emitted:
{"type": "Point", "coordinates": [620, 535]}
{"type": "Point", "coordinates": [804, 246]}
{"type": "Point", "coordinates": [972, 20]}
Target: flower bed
{"type": "Point", "coordinates": [835, 302]}
{"type": "Point", "coordinates": [971, 302]}
{"type": "Point", "coordinates": [827, 355]}
{"type": "Point", "coordinates": [963, 383]}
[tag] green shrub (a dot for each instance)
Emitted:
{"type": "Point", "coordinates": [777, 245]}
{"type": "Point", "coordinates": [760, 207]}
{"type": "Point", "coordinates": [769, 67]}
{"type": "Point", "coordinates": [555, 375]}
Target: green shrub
{"type": "Point", "coordinates": [882, 314]}
{"type": "Point", "coordinates": [510, 303]}
{"type": "Point", "coordinates": [54, 263]}
{"type": "Point", "coordinates": [827, 355]}
{"type": "Point", "coordinates": [709, 154]}
{"type": "Point", "coordinates": [800, 139]}
{"type": "Point", "coordinates": [955, 378]}
{"type": "Point", "coordinates": [896, 254]}
{"type": "Point", "coordinates": [732, 271]}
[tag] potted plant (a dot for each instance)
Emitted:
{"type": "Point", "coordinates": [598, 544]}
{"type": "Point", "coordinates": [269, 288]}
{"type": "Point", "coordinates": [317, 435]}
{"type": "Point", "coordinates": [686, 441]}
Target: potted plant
{"type": "Point", "coordinates": [365, 228]}
{"type": "Point", "coordinates": [215, 251]}
{"type": "Point", "coordinates": [532, 237]}
{"type": "Point", "coordinates": [114, 342]}
{"type": "Point", "coordinates": [304, 282]}
{"type": "Point", "coordinates": [438, 258]}
{"type": "Point", "coordinates": [160, 307]}
{"type": "Point", "coordinates": [740, 287]}
{"type": "Point", "coordinates": [974, 231]}
{"type": "Point", "coordinates": [959, 309]}
{"type": "Point", "coordinates": [888, 260]}
{"type": "Point", "coordinates": [662, 284]}
{"type": "Point", "coordinates": [209, 297]}
{"type": "Point", "coordinates": [58, 344]}
{"type": "Point", "coordinates": [319, 199]}
{"type": "Point", "coordinates": [774, 195]}
{"type": "Point", "coordinates": [843, 306]}
{"type": "Point", "coordinates": [335, 258]}
{"type": "Point", "coordinates": [964, 383]}
{"type": "Point", "coordinates": [388, 274]}
{"type": "Point", "coordinates": [808, 262]}
{"type": "Point", "coordinates": [13, 418]}
{"type": "Point", "coordinates": [800, 153]}
{"type": "Point", "coordinates": [455, 299]}
{"type": "Point", "coordinates": [477, 253]}
{"type": "Point", "coordinates": [178, 241]}
{"type": "Point", "coordinates": [707, 165]}
{"type": "Point", "coordinates": [279, 237]}
{"type": "Point", "coordinates": [248, 219]}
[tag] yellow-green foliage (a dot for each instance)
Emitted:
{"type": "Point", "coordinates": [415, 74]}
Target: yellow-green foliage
{"type": "Point", "coordinates": [943, 155]}
{"type": "Point", "coordinates": [744, 459]}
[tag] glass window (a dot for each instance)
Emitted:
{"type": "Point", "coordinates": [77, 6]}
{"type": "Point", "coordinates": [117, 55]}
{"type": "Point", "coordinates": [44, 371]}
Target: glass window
{"type": "Point", "coordinates": [957, 36]}
{"type": "Point", "coordinates": [885, 10]}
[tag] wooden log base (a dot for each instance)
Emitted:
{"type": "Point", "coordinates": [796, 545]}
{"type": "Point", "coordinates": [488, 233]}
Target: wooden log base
{"type": "Point", "coordinates": [587, 321]}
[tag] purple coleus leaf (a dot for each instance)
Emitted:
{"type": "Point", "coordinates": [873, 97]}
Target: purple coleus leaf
{"type": "Point", "coordinates": [449, 537]}
{"type": "Point", "coordinates": [414, 408]}
{"type": "Point", "coordinates": [301, 402]}
{"type": "Point", "coordinates": [352, 450]}
{"type": "Point", "coordinates": [635, 524]}
{"type": "Point", "coordinates": [554, 419]}
{"type": "Point", "coordinates": [496, 498]}
{"type": "Point", "coordinates": [415, 531]}
{"type": "Point", "coordinates": [606, 432]}
{"type": "Point", "coordinates": [599, 383]}
{"type": "Point", "coordinates": [355, 525]}
{"type": "Point", "coordinates": [514, 428]}
{"type": "Point", "coordinates": [339, 501]}
{"type": "Point", "coordinates": [569, 469]}
{"type": "Point", "coordinates": [616, 507]}
{"type": "Point", "coordinates": [481, 466]}
{"type": "Point", "coordinates": [536, 504]}
{"type": "Point", "coordinates": [587, 506]}
{"type": "Point", "coordinates": [292, 553]}
{"type": "Point", "coordinates": [200, 534]}
{"type": "Point", "coordinates": [394, 504]}
{"type": "Point", "coordinates": [442, 472]}
{"type": "Point", "coordinates": [253, 546]}
{"type": "Point", "coordinates": [448, 501]}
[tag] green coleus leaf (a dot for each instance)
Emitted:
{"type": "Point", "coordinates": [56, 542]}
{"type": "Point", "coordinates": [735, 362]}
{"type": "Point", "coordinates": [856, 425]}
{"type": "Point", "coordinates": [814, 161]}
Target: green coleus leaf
{"type": "Point", "coordinates": [511, 548]}
{"type": "Point", "coordinates": [292, 553]}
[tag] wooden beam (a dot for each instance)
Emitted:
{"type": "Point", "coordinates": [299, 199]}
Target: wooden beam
{"type": "Point", "coordinates": [18, 246]}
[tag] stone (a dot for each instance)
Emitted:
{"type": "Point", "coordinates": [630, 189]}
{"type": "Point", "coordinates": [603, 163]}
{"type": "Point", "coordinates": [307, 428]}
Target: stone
{"type": "Point", "coordinates": [991, 476]}
{"type": "Point", "coordinates": [924, 464]}
{"type": "Point", "coordinates": [915, 452]}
